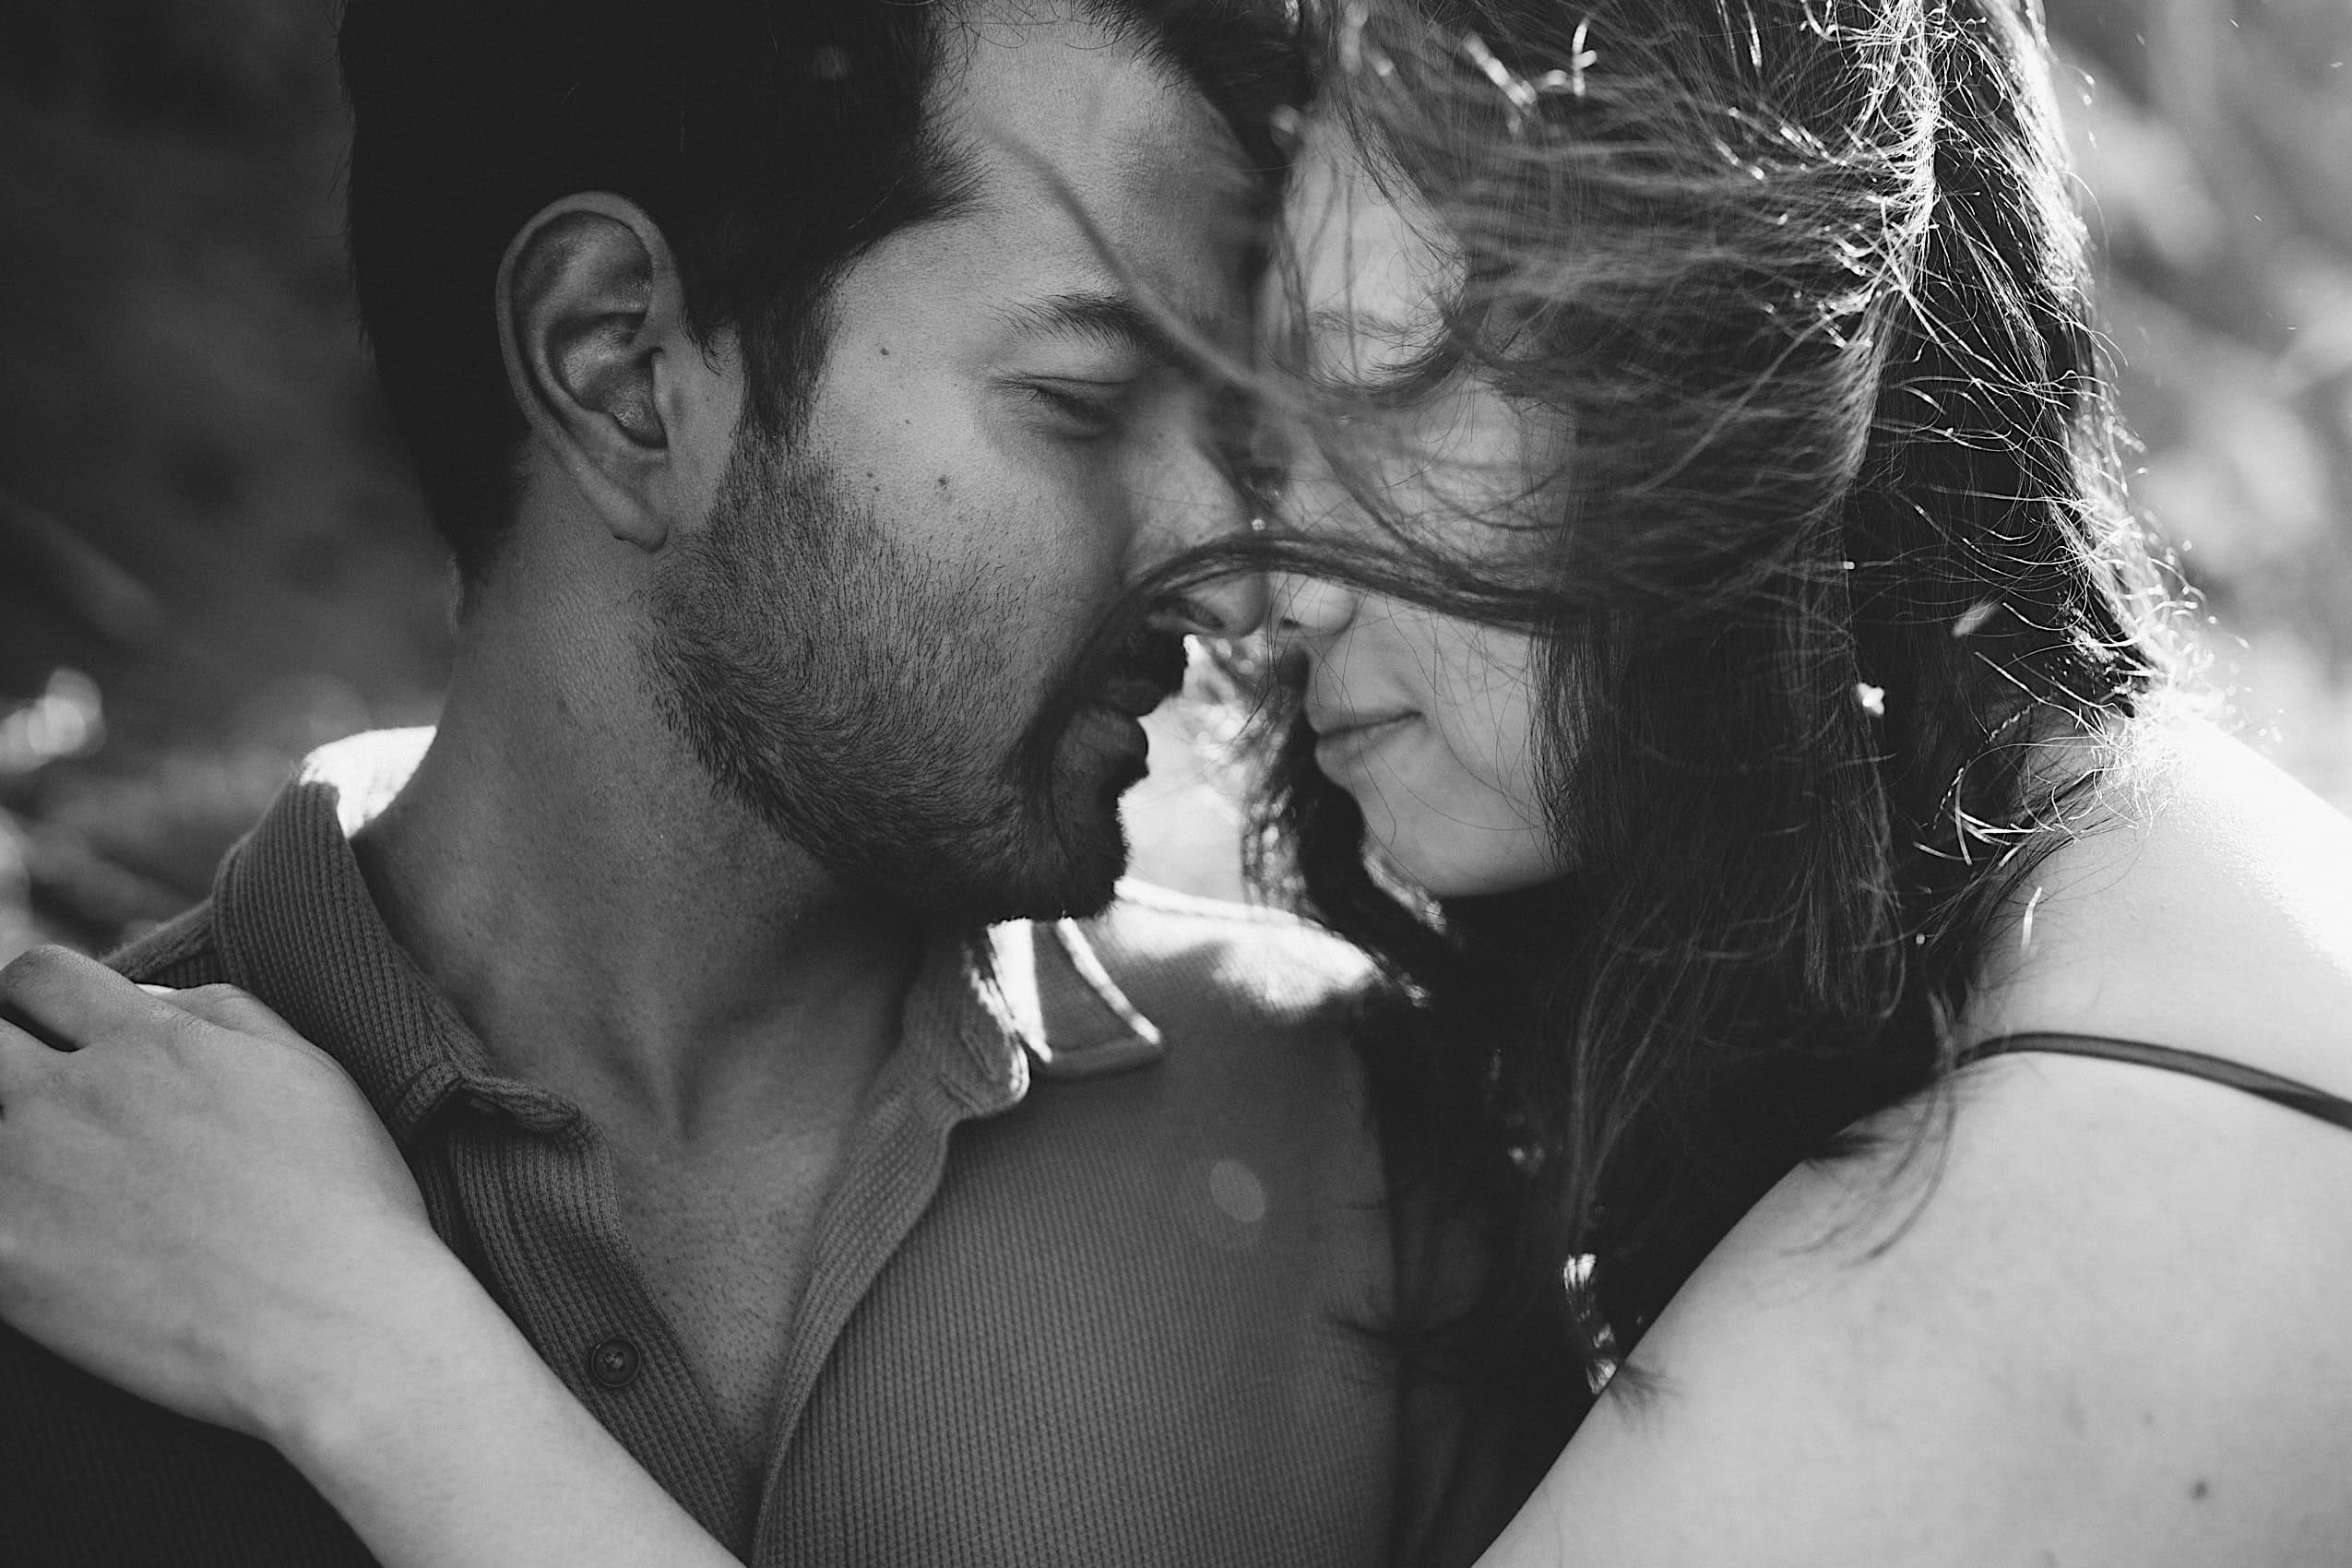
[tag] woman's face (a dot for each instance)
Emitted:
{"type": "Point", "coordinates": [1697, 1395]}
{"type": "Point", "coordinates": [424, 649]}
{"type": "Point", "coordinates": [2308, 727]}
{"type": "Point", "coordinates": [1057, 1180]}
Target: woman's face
{"type": "Point", "coordinates": [1428, 720]}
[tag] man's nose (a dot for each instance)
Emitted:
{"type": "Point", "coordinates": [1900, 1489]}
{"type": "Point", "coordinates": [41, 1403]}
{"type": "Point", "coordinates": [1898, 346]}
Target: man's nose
{"type": "Point", "coordinates": [1198, 503]}
{"type": "Point", "coordinates": [1230, 606]}
{"type": "Point", "coordinates": [1311, 607]}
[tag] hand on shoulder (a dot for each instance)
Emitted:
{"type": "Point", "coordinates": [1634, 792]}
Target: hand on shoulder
{"type": "Point", "coordinates": [195, 1203]}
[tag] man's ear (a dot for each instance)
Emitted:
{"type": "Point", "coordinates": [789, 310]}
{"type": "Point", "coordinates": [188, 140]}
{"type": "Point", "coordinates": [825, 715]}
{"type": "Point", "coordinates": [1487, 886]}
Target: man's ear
{"type": "Point", "coordinates": [592, 322]}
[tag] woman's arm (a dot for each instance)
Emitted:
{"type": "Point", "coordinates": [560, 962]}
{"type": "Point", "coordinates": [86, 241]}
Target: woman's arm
{"type": "Point", "coordinates": [2102, 1325]}
{"type": "Point", "coordinates": [461, 1448]}
{"type": "Point", "coordinates": [199, 1205]}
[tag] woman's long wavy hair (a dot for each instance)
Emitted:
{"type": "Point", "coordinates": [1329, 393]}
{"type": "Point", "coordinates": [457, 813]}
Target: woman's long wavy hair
{"type": "Point", "coordinates": [1838, 602]}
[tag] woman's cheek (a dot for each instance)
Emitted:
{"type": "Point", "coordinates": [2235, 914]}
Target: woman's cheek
{"type": "Point", "coordinates": [1487, 714]}
{"type": "Point", "coordinates": [1455, 801]}
{"type": "Point", "coordinates": [1497, 835]}
{"type": "Point", "coordinates": [1450, 828]}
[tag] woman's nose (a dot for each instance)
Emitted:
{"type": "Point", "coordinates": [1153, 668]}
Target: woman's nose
{"type": "Point", "coordinates": [1311, 607]}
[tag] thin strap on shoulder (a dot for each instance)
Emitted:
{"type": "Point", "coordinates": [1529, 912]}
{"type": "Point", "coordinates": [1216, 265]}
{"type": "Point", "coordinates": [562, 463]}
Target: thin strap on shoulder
{"type": "Point", "coordinates": [2195, 1063]}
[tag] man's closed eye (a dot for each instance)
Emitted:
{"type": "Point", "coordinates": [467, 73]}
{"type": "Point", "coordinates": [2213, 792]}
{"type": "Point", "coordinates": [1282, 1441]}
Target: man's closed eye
{"type": "Point", "coordinates": [1083, 410]}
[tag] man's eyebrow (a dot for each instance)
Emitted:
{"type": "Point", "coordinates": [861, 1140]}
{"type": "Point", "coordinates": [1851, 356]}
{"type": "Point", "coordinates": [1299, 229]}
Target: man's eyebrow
{"type": "Point", "coordinates": [1114, 321]}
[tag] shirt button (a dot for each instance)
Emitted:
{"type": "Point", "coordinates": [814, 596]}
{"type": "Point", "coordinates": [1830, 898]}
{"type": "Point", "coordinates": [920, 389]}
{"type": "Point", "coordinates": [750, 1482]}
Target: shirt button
{"type": "Point", "coordinates": [614, 1362]}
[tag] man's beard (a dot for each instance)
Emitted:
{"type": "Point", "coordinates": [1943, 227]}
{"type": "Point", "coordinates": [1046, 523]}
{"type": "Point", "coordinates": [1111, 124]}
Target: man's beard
{"type": "Point", "coordinates": [855, 699]}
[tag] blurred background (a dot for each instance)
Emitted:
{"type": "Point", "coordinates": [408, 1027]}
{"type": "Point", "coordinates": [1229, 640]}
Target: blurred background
{"type": "Point", "coordinates": [211, 559]}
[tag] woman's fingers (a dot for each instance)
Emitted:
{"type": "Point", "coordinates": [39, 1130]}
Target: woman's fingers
{"type": "Point", "coordinates": [229, 1007]}
{"type": "Point", "coordinates": [68, 1001]}
{"type": "Point", "coordinates": [24, 1057]}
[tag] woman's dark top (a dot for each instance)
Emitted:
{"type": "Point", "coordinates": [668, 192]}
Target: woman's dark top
{"type": "Point", "coordinates": [2195, 1063]}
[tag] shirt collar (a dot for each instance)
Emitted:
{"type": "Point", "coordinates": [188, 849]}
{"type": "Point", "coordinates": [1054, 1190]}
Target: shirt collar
{"type": "Point", "coordinates": [1052, 994]}
{"type": "Point", "coordinates": [298, 927]}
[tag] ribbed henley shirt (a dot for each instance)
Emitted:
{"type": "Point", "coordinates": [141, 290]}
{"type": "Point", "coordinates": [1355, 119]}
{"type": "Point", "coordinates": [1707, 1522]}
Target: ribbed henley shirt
{"type": "Point", "coordinates": [1087, 1290]}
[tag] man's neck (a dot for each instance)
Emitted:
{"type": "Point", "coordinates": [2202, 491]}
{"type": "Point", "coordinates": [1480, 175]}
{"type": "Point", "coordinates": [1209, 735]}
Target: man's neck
{"type": "Point", "coordinates": [615, 931]}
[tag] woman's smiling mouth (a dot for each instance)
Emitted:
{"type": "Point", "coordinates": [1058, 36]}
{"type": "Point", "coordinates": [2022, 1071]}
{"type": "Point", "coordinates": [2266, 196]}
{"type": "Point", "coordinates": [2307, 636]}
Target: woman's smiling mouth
{"type": "Point", "coordinates": [1345, 739]}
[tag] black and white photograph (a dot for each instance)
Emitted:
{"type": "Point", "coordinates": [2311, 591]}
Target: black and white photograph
{"type": "Point", "coordinates": [1176, 784]}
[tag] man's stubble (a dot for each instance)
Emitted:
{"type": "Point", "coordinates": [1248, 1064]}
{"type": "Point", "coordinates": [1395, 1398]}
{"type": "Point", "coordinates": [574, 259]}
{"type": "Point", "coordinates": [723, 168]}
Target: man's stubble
{"type": "Point", "coordinates": [855, 699]}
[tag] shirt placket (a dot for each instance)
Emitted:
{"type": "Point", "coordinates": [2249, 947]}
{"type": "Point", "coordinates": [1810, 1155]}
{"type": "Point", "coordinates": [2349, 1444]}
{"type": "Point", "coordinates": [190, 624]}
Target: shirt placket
{"type": "Point", "coordinates": [535, 1186]}
{"type": "Point", "coordinates": [956, 1062]}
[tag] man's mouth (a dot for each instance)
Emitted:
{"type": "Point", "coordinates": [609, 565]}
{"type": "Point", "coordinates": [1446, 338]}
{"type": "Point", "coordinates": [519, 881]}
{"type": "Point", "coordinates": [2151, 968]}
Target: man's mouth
{"type": "Point", "coordinates": [1149, 672]}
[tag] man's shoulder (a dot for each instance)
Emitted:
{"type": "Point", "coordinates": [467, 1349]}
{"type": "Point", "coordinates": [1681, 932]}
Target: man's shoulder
{"type": "Point", "coordinates": [183, 951]}
{"type": "Point", "coordinates": [1200, 963]}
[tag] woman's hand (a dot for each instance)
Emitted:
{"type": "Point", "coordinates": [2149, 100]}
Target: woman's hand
{"type": "Point", "coordinates": [195, 1203]}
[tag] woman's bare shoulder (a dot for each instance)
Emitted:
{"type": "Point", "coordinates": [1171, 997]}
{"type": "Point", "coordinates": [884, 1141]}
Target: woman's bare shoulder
{"type": "Point", "coordinates": [2208, 905]}
{"type": "Point", "coordinates": [2066, 1309]}
{"type": "Point", "coordinates": [2096, 1318]}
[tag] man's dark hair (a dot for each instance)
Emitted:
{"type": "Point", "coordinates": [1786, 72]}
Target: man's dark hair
{"type": "Point", "coordinates": [773, 141]}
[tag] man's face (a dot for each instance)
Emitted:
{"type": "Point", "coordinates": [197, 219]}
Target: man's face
{"type": "Point", "coordinates": [864, 641]}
